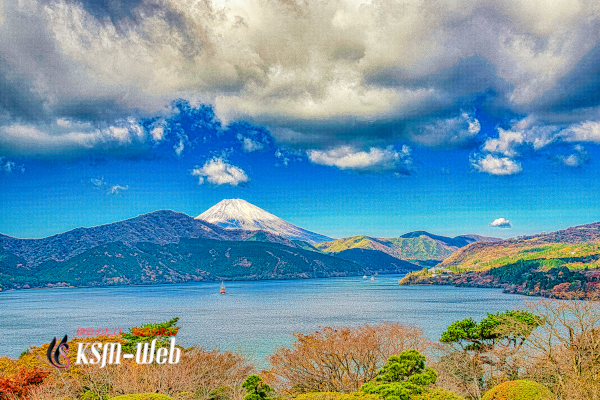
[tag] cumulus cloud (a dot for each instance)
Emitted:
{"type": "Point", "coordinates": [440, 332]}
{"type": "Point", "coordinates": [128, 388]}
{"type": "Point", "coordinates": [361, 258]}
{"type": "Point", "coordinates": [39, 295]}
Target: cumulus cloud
{"type": "Point", "coordinates": [179, 147]}
{"type": "Point", "coordinates": [220, 172]}
{"type": "Point", "coordinates": [501, 223]}
{"type": "Point", "coordinates": [588, 131]}
{"type": "Point", "coordinates": [507, 143]}
{"type": "Point", "coordinates": [362, 74]}
{"type": "Point", "coordinates": [249, 145]}
{"type": "Point", "coordinates": [575, 159]}
{"type": "Point", "coordinates": [157, 130]}
{"type": "Point", "coordinates": [499, 155]}
{"type": "Point", "coordinates": [374, 160]}
{"type": "Point", "coordinates": [496, 165]}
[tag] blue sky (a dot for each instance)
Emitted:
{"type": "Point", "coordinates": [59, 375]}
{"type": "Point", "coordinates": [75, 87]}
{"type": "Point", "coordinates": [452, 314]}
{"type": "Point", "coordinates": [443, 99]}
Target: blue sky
{"type": "Point", "coordinates": [359, 117]}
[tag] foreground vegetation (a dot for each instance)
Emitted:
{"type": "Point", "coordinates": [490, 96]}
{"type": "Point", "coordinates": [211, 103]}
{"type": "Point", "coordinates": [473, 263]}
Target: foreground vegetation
{"type": "Point", "coordinates": [550, 351]}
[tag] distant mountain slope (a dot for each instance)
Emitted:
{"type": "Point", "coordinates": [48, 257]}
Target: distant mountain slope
{"type": "Point", "coordinates": [377, 261]}
{"type": "Point", "coordinates": [541, 277]}
{"type": "Point", "coordinates": [414, 247]}
{"type": "Point", "coordinates": [570, 245]}
{"type": "Point", "coordinates": [159, 227]}
{"type": "Point", "coordinates": [196, 259]}
{"type": "Point", "coordinates": [239, 214]}
{"type": "Point", "coordinates": [10, 263]}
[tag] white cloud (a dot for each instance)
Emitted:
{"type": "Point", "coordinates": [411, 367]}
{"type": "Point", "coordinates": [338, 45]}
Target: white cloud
{"type": "Point", "coordinates": [375, 160]}
{"type": "Point", "coordinates": [110, 189]}
{"type": "Point", "coordinates": [97, 182]}
{"type": "Point", "coordinates": [507, 143]}
{"type": "Point", "coordinates": [63, 123]}
{"type": "Point", "coordinates": [158, 133]}
{"type": "Point", "coordinates": [117, 189]}
{"type": "Point", "coordinates": [501, 223]}
{"type": "Point", "coordinates": [576, 159]}
{"type": "Point", "coordinates": [59, 139]}
{"type": "Point", "coordinates": [498, 154]}
{"type": "Point", "coordinates": [344, 66]}
{"type": "Point", "coordinates": [249, 145]}
{"type": "Point", "coordinates": [219, 172]}
{"type": "Point", "coordinates": [450, 132]}
{"type": "Point", "coordinates": [496, 165]}
{"type": "Point", "coordinates": [179, 147]}
{"type": "Point", "coordinates": [284, 159]}
{"type": "Point", "coordinates": [588, 131]}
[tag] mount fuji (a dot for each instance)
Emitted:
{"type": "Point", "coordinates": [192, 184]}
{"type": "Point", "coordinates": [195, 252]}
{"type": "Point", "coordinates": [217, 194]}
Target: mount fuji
{"type": "Point", "coordinates": [239, 214]}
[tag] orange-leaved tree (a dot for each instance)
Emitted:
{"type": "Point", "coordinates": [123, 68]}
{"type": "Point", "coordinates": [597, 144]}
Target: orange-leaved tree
{"type": "Point", "coordinates": [340, 359]}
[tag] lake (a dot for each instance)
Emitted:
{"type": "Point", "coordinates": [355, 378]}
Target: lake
{"type": "Point", "coordinates": [253, 316]}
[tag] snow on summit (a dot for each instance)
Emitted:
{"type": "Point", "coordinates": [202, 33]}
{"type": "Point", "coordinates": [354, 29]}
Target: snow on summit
{"type": "Point", "coordinates": [239, 214]}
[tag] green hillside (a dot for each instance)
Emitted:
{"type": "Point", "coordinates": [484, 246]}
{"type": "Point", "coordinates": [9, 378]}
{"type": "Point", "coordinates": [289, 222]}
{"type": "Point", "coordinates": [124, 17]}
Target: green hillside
{"type": "Point", "coordinates": [416, 247]}
{"type": "Point", "coordinates": [577, 247]}
{"type": "Point", "coordinates": [559, 264]}
{"type": "Point", "coordinates": [189, 260]}
{"type": "Point", "coordinates": [377, 261]}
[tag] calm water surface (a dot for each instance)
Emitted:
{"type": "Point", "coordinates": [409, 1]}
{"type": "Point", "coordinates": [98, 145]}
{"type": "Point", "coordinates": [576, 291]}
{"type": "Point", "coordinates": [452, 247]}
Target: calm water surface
{"type": "Point", "coordinates": [254, 317]}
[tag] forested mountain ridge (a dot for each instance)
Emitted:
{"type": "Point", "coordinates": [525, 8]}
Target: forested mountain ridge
{"type": "Point", "coordinates": [196, 259]}
{"type": "Point", "coordinates": [160, 227]}
{"type": "Point", "coordinates": [418, 247]}
{"type": "Point", "coordinates": [571, 245]}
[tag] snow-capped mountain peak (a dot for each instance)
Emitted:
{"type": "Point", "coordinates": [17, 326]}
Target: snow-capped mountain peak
{"type": "Point", "coordinates": [239, 214]}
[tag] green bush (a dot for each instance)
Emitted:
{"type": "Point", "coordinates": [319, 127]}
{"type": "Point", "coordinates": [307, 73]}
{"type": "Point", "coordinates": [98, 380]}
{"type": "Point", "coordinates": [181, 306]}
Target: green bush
{"type": "Point", "coordinates": [403, 377]}
{"type": "Point", "coordinates": [256, 389]}
{"type": "Point", "coordinates": [518, 390]}
{"type": "Point", "coordinates": [338, 396]}
{"type": "Point", "coordinates": [89, 395]}
{"type": "Point", "coordinates": [439, 394]}
{"type": "Point", "coordinates": [142, 396]}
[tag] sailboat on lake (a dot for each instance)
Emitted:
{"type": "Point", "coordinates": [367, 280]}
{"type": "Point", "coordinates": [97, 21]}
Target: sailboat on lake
{"type": "Point", "coordinates": [222, 291]}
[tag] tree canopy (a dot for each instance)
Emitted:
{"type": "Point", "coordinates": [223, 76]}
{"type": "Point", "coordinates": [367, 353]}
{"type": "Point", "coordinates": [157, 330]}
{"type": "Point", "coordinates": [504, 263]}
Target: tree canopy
{"type": "Point", "coordinates": [511, 327]}
{"type": "Point", "coordinates": [257, 390]}
{"type": "Point", "coordinates": [402, 377]}
{"type": "Point", "coordinates": [162, 331]}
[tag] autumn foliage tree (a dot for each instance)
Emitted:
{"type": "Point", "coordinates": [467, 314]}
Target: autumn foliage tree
{"type": "Point", "coordinates": [19, 385]}
{"type": "Point", "coordinates": [566, 347]}
{"type": "Point", "coordinates": [340, 359]}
